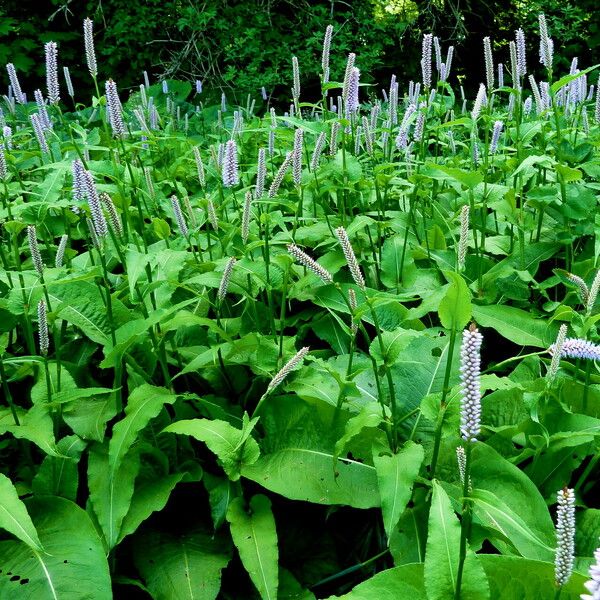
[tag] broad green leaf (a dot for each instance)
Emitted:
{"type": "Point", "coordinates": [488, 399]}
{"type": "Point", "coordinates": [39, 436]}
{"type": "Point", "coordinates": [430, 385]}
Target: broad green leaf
{"type": "Point", "coordinates": [396, 474]}
{"type": "Point", "coordinates": [512, 577]}
{"type": "Point", "coordinates": [181, 567]}
{"type": "Point", "coordinates": [419, 370]}
{"type": "Point", "coordinates": [144, 403]}
{"type": "Point", "coordinates": [81, 304]}
{"type": "Point", "coordinates": [234, 448]}
{"type": "Point", "coordinates": [442, 555]}
{"type": "Point", "coordinates": [88, 415]}
{"type": "Point", "coordinates": [59, 475]}
{"type": "Point", "coordinates": [405, 582]}
{"type": "Point", "coordinates": [394, 272]}
{"type": "Point", "coordinates": [308, 475]}
{"type": "Point", "coordinates": [369, 416]}
{"type": "Point", "coordinates": [455, 307]}
{"type": "Point", "coordinates": [49, 189]}
{"type": "Point", "coordinates": [516, 325]}
{"type": "Point", "coordinates": [111, 491]}
{"type": "Point", "coordinates": [297, 456]}
{"type": "Point", "coordinates": [220, 494]}
{"type": "Point", "coordinates": [35, 425]}
{"type": "Point", "coordinates": [72, 565]}
{"type": "Point", "coordinates": [14, 517]}
{"type": "Point", "coordinates": [507, 501]}
{"type": "Point", "coordinates": [407, 542]}
{"type": "Point", "coordinates": [149, 497]}
{"type": "Point", "coordinates": [588, 532]}
{"type": "Point", "coordinates": [255, 537]}
{"type": "Point", "coordinates": [469, 179]}
{"type": "Point", "coordinates": [394, 342]}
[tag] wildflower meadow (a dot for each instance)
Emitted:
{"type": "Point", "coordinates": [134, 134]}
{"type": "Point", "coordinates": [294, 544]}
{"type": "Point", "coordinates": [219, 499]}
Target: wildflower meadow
{"type": "Point", "coordinates": [342, 348]}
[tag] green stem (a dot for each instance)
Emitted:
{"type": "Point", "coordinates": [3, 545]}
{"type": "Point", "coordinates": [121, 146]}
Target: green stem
{"type": "Point", "coordinates": [465, 523]}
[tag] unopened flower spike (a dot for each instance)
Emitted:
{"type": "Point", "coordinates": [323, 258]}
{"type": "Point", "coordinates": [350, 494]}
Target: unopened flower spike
{"type": "Point", "coordinates": [245, 227]}
{"type": "Point", "coordinates": [350, 257]}
{"type": "Point", "coordinates": [287, 369]}
{"type": "Point", "coordinates": [582, 287]}
{"type": "Point", "coordinates": [593, 295]}
{"type": "Point", "coordinates": [44, 338]}
{"type": "Point", "coordinates": [60, 251]}
{"type": "Point", "coordinates": [222, 292]}
{"type": "Point", "coordinates": [556, 351]}
{"type": "Point", "coordinates": [461, 459]}
{"type": "Point", "coordinates": [261, 174]}
{"type": "Point", "coordinates": [179, 218]}
{"type": "Point", "coordinates": [311, 264]}
{"type": "Point", "coordinates": [34, 249]}
{"type": "Point", "coordinates": [464, 237]}
{"type": "Point", "coordinates": [353, 306]}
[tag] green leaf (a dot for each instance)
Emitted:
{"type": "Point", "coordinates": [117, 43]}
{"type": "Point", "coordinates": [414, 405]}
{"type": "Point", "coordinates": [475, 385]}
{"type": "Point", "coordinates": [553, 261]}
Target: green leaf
{"type": "Point", "coordinates": [513, 577]}
{"type": "Point", "coordinates": [73, 564]}
{"type": "Point", "coordinates": [393, 271]}
{"type": "Point", "coordinates": [307, 474]}
{"type": "Point", "coordinates": [405, 582]}
{"type": "Point", "coordinates": [516, 325]}
{"type": "Point", "coordinates": [588, 531]}
{"type": "Point", "coordinates": [470, 179]}
{"type": "Point", "coordinates": [14, 517]}
{"type": "Point", "coordinates": [455, 307]}
{"type": "Point", "coordinates": [181, 567]}
{"type": "Point", "coordinates": [151, 496]}
{"type": "Point", "coordinates": [441, 557]}
{"type": "Point", "coordinates": [111, 491]}
{"type": "Point", "coordinates": [88, 414]}
{"type": "Point", "coordinates": [143, 405]}
{"type": "Point", "coordinates": [370, 416]}
{"type": "Point", "coordinates": [396, 474]}
{"type": "Point", "coordinates": [255, 537]}
{"type": "Point", "coordinates": [49, 189]}
{"type": "Point", "coordinates": [394, 342]}
{"type": "Point", "coordinates": [506, 500]}
{"type": "Point", "coordinates": [80, 303]}
{"type": "Point", "coordinates": [59, 475]}
{"type": "Point", "coordinates": [35, 425]}
{"type": "Point", "coordinates": [234, 448]}
{"type": "Point", "coordinates": [220, 494]}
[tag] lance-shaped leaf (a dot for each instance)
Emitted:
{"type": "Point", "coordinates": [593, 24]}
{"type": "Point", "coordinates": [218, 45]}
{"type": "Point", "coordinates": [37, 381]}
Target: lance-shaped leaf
{"type": "Point", "coordinates": [14, 516]}
{"type": "Point", "coordinates": [442, 555]}
{"type": "Point", "coordinates": [145, 403]}
{"type": "Point", "coordinates": [255, 537]}
{"type": "Point", "coordinates": [396, 474]}
{"type": "Point", "coordinates": [181, 567]}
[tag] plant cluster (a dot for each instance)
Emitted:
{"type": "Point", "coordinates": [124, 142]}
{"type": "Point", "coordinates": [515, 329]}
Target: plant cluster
{"type": "Point", "coordinates": [348, 349]}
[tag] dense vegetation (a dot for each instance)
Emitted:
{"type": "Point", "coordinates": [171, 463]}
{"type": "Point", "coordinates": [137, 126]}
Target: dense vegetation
{"type": "Point", "coordinates": [349, 349]}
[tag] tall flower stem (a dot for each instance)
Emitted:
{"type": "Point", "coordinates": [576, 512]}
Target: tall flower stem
{"type": "Point", "coordinates": [443, 406]}
{"type": "Point", "coordinates": [466, 520]}
{"type": "Point", "coordinates": [6, 391]}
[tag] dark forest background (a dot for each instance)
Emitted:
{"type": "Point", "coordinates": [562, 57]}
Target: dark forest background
{"type": "Point", "coordinates": [241, 45]}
